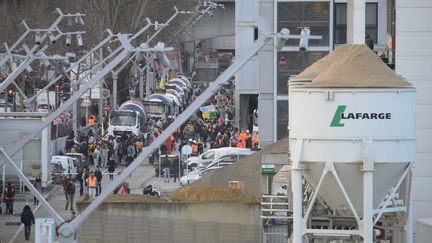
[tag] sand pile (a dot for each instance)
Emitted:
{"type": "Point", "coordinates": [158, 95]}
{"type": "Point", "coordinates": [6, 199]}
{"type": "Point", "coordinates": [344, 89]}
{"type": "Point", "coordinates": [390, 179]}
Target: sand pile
{"type": "Point", "coordinates": [322, 64]}
{"type": "Point", "coordinates": [133, 198]}
{"type": "Point", "coordinates": [358, 67]}
{"type": "Point", "coordinates": [212, 194]}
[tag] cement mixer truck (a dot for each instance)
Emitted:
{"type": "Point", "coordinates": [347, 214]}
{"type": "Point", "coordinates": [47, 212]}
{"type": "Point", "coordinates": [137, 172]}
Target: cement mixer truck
{"type": "Point", "coordinates": [129, 117]}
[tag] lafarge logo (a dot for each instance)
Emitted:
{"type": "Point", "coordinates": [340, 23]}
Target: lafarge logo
{"type": "Point", "coordinates": [340, 115]}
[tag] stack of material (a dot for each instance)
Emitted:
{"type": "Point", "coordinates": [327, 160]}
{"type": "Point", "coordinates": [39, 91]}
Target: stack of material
{"type": "Point", "coordinates": [352, 66]}
{"type": "Point", "coordinates": [322, 64]}
{"type": "Point", "coordinates": [212, 194]}
{"type": "Point", "coordinates": [133, 198]}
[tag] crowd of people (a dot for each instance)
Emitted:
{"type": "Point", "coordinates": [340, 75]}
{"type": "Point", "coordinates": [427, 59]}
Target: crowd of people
{"type": "Point", "coordinates": [107, 152]}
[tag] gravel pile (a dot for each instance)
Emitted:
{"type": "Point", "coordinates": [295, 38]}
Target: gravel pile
{"type": "Point", "coordinates": [133, 198]}
{"type": "Point", "coordinates": [212, 194]}
{"type": "Point", "coordinates": [357, 66]}
{"type": "Point", "coordinates": [322, 64]}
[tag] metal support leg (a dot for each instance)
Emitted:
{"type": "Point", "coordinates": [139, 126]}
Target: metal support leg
{"type": "Point", "coordinates": [409, 220]}
{"type": "Point", "coordinates": [297, 191]}
{"type": "Point", "coordinates": [297, 205]}
{"type": "Point", "coordinates": [368, 207]}
{"type": "Point", "coordinates": [141, 84]}
{"type": "Point", "coordinates": [368, 212]}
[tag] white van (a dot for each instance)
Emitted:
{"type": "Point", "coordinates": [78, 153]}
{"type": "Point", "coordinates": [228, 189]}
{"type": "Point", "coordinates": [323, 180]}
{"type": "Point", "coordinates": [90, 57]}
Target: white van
{"type": "Point", "coordinates": [212, 154]}
{"type": "Point", "coordinates": [68, 164]}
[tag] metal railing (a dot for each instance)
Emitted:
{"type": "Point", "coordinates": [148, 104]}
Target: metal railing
{"type": "Point", "coordinates": [277, 218]}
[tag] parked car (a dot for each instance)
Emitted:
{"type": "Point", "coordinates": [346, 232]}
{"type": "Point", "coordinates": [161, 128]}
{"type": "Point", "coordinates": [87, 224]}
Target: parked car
{"type": "Point", "coordinates": [45, 108]}
{"type": "Point", "coordinates": [226, 159]}
{"type": "Point", "coordinates": [63, 165]}
{"type": "Point", "coordinates": [82, 160]}
{"type": "Point", "coordinates": [212, 154]}
{"type": "Point", "coordinates": [197, 174]}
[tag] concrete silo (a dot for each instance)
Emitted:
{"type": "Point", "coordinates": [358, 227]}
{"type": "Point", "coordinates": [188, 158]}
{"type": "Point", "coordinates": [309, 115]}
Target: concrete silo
{"type": "Point", "coordinates": [352, 138]}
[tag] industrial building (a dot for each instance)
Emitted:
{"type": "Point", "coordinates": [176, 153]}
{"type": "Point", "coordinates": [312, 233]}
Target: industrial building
{"type": "Point", "coordinates": [399, 30]}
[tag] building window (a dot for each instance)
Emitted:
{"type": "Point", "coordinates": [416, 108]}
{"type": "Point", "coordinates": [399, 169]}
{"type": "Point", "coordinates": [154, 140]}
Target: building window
{"type": "Point", "coordinates": [282, 119]}
{"type": "Point", "coordinates": [340, 22]}
{"type": "Point", "coordinates": [292, 63]}
{"type": "Point", "coordinates": [372, 21]}
{"type": "Point", "coordinates": [295, 15]}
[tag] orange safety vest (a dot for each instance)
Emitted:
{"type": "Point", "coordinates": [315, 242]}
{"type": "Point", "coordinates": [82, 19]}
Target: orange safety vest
{"type": "Point", "coordinates": [91, 120]}
{"type": "Point", "coordinates": [194, 148]}
{"type": "Point", "coordinates": [91, 181]}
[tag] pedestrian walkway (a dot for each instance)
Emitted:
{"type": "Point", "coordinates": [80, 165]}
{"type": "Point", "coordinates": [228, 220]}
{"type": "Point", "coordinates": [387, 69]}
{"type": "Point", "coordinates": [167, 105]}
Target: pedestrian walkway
{"type": "Point", "coordinates": [144, 175]}
{"type": "Point", "coordinates": [15, 234]}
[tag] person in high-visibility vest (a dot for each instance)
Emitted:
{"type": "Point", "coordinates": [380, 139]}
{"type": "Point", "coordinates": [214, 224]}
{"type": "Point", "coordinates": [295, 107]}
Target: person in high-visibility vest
{"type": "Point", "coordinates": [91, 182]}
{"type": "Point", "coordinates": [92, 119]}
{"type": "Point", "coordinates": [239, 140]}
{"type": "Point", "coordinates": [194, 148]}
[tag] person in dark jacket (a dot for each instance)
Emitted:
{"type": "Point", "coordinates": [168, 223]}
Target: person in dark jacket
{"type": "Point", "coordinates": [38, 185]}
{"type": "Point", "coordinates": [70, 190]}
{"type": "Point", "coordinates": [27, 218]}
{"type": "Point", "coordinates": [98, 175]}
{"type": "Point", "coordinates": [111, 168]}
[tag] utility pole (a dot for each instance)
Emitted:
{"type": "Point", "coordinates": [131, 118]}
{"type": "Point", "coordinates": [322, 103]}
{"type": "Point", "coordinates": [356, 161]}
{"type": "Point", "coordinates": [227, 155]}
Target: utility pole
{"type": "Point", "coordinates": [101, 101]}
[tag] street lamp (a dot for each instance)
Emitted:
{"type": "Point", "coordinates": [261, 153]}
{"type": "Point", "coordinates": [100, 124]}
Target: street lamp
{"type": "Point", "coordinates": [79, 40]}
{"type": "Point", "coordinates": [39, 38]}
{"type": "Point", "coordinates": [68, 40]}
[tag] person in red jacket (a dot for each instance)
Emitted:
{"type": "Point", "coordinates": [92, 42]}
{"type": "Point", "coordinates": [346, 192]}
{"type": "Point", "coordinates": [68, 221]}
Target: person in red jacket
{"type": "Point", "coordinates": [8, 197]}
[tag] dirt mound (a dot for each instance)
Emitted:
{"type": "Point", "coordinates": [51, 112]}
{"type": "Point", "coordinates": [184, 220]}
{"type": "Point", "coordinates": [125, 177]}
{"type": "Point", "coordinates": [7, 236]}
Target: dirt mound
{"type": "Point", "coordinates": [133, 198]}
{"type": "Point", "coordinates": [358, 67]}
{"type": "Point", "coordinates": [322, 64]}
{"type": "Point", "coordinates": [247, 170]}
{"type": "Point", "coordinates": [212, 194]}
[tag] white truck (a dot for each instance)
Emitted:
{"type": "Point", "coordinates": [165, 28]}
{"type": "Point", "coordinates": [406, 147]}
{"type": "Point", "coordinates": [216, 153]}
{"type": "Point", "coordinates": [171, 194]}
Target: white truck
{"type": "Point", "coordinates": [130, 117]}
{"type": "Point", "coordinates": [46, 102]}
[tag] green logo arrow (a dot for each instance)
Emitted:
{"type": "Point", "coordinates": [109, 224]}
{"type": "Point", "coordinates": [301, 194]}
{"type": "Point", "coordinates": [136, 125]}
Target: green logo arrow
{"type": "Point", "coordinates": [336, 122]}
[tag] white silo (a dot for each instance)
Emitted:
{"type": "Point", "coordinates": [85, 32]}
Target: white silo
{"type": "Point", "coordinates": [352, 137]}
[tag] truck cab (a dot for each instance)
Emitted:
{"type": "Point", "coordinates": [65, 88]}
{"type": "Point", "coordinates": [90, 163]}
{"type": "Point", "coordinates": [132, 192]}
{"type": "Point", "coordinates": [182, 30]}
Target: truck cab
{"type": "Point", "coordinates": [130, 117]}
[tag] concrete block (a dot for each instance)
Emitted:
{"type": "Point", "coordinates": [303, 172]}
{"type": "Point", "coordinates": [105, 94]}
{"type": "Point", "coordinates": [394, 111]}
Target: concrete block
{"type": "Point", "coordinates": [160, 230]}
{"type": "Point", "coordinates": [229, 233]}
{"type": "Point", "coordinates": [183, 231]}
{"type": "Point", "coordinates": [250, 234]}
{"type": "Point", "coordinates": [206, 232]}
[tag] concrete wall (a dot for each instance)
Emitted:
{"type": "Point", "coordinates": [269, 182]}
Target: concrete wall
{"type": "Point", "coordinates": [413, 62]}
{"type": "Point", "coordinates": [37, 151]}
{"type": "Point", "coordinates": [161, 222]}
